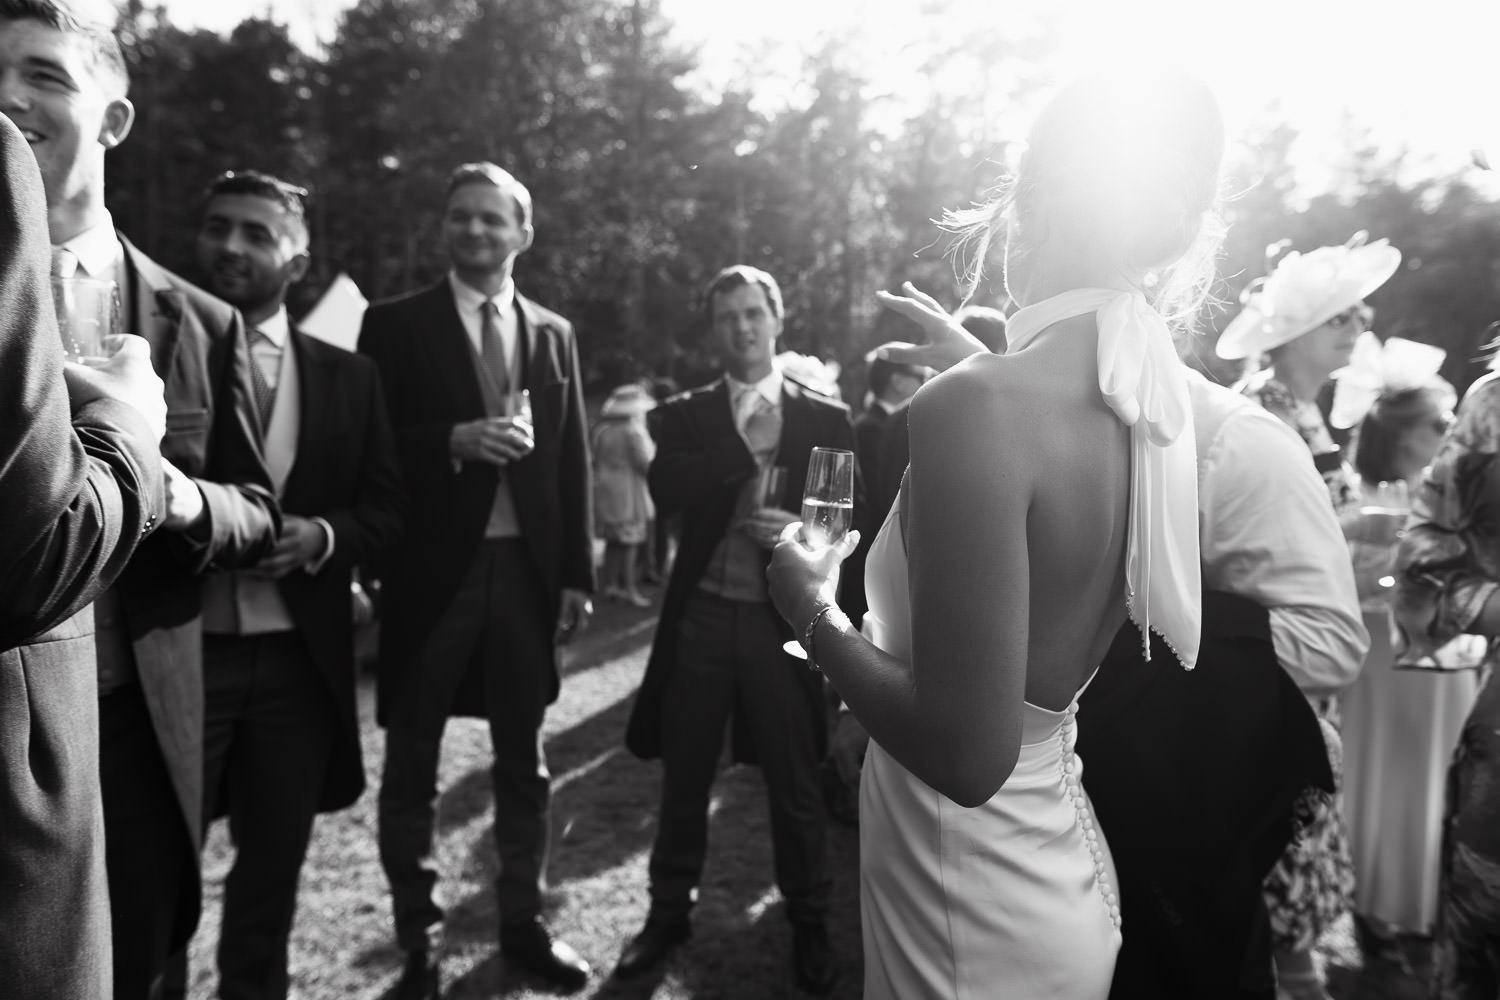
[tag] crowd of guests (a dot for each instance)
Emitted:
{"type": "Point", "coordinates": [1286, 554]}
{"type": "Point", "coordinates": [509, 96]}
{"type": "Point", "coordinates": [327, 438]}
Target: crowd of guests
{"type": "Point", "coordinates": [186, 518]}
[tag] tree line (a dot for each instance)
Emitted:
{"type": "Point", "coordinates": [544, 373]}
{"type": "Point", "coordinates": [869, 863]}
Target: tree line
{"type": "Point", "coordinates": [647, 181]}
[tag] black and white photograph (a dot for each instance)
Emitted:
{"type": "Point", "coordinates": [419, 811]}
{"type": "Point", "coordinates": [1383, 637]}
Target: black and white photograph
{"type": "Point", "coordinates": [662, 500]}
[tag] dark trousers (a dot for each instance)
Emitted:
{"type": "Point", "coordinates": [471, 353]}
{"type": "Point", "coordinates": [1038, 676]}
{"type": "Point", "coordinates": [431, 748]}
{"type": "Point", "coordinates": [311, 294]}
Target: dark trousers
{"type": "Point", "coordinates": [147, 850]}
{"type": "Point", "coordinates": [499, 622]}
{"type": "Point", "coordinates": [268, 735]}
{"type": "Point", "coordinates": [729, 656]}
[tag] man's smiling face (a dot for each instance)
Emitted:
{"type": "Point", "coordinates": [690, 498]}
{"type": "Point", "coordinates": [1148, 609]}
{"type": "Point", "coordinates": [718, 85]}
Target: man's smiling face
{"type": "Point", "coordinates": [50, 89]}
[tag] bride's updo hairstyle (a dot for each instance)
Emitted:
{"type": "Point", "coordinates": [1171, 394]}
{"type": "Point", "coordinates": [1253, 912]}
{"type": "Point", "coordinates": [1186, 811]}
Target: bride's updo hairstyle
{"type": "Point", "coordinates": [1123, 170]}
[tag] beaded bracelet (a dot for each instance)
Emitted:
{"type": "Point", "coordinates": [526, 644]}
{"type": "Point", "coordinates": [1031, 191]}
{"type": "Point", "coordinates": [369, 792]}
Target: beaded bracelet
{"type": "Point", "coordinates": [809, 633]}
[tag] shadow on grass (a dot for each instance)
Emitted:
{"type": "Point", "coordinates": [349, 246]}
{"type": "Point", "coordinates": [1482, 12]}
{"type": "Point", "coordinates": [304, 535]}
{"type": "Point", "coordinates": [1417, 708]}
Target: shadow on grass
{"type": "Point", "coordinates": [604, 819]}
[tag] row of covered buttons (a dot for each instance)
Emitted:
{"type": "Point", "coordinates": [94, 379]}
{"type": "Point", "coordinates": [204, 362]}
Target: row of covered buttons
{"type": "Point", "coordinates": [1086, 818]}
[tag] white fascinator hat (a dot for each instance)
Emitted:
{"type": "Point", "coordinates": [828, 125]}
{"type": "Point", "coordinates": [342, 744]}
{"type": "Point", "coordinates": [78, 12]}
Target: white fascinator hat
{"type": "Point", "coordinates": [1305, 291]}
{"type": "Point", "coordinates": [1377, 368]}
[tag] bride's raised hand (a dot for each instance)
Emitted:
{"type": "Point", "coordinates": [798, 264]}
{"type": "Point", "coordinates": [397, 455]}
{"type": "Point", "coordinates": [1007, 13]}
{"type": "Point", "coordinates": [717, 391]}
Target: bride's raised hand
{"type": "Point", "coordinates": [801, 577]}
{"type": "Point", "coordinates": [948, 343]}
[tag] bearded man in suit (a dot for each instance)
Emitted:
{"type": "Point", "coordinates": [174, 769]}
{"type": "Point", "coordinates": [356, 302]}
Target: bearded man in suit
{"type": "Point", "coordinates": [80, 487]}
{"type": "Point", "coordinates": [281, 740]}
{"type": "Point", "coordinates": [718, 649]}
{"type": "Point", "coordinates": [496, 568]}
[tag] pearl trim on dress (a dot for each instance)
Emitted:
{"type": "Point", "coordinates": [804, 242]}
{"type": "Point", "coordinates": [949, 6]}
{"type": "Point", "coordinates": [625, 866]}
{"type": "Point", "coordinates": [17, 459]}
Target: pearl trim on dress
{"type": "Point", "coordinates": [1070, 773]}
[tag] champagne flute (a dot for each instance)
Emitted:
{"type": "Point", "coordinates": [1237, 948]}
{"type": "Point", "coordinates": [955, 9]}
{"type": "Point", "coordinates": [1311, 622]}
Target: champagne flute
{"type": "Point", "coordinates": [827, 508]}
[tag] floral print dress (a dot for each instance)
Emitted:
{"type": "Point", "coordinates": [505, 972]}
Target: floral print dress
{"type": "Point", "coordinates": [1313, 883]}
{"type": "Point", "coordinates": [1447, 568]}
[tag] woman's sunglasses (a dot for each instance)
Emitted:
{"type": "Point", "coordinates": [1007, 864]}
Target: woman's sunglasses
{"type": "Point", "coordinates": [1360, 313]}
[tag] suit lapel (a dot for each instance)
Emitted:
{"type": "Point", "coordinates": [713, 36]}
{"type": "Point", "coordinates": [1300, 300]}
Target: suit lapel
{"type": "Point", "coordinates": [797, 433]}
{"type": "Point", "coordinates": [314, 390]}
{"type": "Point", "coordinates": [536, 359]}
{"type": "Point", "coordinates": [154, 306]}
{"type": "Point", "coordinates": [451, 351]}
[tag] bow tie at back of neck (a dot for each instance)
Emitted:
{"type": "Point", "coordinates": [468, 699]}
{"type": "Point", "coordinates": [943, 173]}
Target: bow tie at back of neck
{"type": "Point", "coordinates": [1143, 382]}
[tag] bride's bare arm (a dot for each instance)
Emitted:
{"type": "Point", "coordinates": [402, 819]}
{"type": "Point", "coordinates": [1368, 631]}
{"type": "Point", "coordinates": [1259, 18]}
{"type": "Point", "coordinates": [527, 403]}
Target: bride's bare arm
{"type": "Point", "coordinates": [953, 716]}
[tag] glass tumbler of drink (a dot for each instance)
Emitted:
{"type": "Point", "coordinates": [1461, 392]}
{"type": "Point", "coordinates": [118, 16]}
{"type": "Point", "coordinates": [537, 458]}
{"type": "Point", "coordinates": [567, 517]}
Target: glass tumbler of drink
{"type": "Point", "coordinates": [1385, 506]}
{"type": "Point", "coordinates": [88, 310]}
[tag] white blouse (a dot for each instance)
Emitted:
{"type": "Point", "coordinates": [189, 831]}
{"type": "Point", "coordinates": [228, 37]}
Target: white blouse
{"type": "Point", "coordinates": [1267, 532]}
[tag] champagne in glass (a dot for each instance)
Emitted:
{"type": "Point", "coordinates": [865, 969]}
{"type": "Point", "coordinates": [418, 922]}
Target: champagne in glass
{"type": "Point", "coordinates": [828, 500]}
{"type": "Point", "coordinates": [827, 507]}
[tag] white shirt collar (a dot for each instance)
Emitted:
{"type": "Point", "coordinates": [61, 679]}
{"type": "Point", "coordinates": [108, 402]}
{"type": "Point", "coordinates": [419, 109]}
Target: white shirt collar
{"type": "Point", "coordinates": [98, 249]}
{"type": "Point", "coordinates": [470, 298]}
{"type": "Point", "coordinates": [889, 408]}
{"type": "Point", "coordinates": [770, 387]}
{"type": "Point", "coordinates": [276, 328]}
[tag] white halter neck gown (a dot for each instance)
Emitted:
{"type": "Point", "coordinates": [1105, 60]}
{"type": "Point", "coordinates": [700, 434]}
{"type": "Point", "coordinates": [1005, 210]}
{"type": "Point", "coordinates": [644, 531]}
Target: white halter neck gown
{"type": "Point", "coordinates": [1016, 898]}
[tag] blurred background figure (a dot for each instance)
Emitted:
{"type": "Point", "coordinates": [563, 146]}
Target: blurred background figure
{"type": "Point", "coordinates": [623, 510]}
{"type": "Point", "coordinates": [1400, 726]}
{"type": "Point", "coordinates": [656, 555]}
{"type": "Point", "coordinates": [1298, 327]}
{"type": "Point", "coordinates": [1446, 584]}
{"type": "Point", "coordinates": [891, 385]}
{"type": "Point", "coordinates": [988, 327]}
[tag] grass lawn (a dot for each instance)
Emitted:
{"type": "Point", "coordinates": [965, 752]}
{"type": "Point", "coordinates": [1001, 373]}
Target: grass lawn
{"type": "Point", "coordinates": [604, 813]}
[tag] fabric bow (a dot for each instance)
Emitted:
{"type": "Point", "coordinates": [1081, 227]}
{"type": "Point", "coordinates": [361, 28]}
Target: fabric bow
{"type": "Point", "coordinates": [1375, 368]}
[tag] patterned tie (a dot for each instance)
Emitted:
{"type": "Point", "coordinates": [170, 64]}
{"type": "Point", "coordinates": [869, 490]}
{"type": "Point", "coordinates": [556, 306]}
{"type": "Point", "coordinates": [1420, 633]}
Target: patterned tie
{"type": "Point", "coordinates": [491, 347]}
{"type": "Point", "coordinates": [64, 263]}
{"type": "Point", "coordinates": [265, 396]}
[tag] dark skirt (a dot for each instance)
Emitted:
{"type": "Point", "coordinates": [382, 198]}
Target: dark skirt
{"type": "Point", "coordinates": [1196, 777]}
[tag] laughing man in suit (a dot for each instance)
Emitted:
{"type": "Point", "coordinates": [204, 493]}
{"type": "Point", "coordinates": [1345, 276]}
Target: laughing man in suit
{"type": "Point", "coordinates": [281, 738]}
{"type": "Point", "coordinates": [80, 487]}
{"type": "Point", "coordinates": [64, 86]}
{"type": "Point", "coordinates": [497, 564]}
{"type": "Point", "coordinates": [718, 648]}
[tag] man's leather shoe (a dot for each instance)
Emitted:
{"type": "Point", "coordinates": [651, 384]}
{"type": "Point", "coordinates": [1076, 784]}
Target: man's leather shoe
{"type": "Point", "coordinates": [813, 958]}
{"type": "Point", "coordinates": [419, 979]}
{"type": "Point", "coordinates": [532, 948]}
{"type": "Point", "coordinates": [655, 941]}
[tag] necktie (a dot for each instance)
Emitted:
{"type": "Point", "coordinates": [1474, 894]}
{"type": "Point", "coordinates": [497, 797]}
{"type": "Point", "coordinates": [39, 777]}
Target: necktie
{"type": "Point", "coordinates": [64, 263]}
{"type": "Point", "coordinates": [760, 425]}
{"type": "Point", "coordinates": [491, 347]}
{"type": "Point", "coordinates": [265, 396]}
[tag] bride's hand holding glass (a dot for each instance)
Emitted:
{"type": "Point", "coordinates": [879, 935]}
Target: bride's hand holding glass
{"type": "Point", "coordinates": [948, 343]}
{"type": "Point", "coordinates": [803, 577]}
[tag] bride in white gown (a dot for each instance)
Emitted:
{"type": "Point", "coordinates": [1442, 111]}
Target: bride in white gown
{"type": "Point", "coordinates": [1051, 491]}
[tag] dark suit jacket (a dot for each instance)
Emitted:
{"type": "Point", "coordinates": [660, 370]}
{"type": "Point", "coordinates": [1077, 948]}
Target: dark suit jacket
{"type": "Point", "coordinates": [422, 351]}
{"type": "Point", "coordinates": [198, 346]}
{"type": "Point", "coordinates": [895, 456]}
{"type": "Point", "coordinates": [77, 494]}
{"type": "Point", "coordinates": [1194, 776]}
{"type": "Point", "coordinates": [869, 443]}
{"type": "Point", "coordinates": [701, 464]}
{"type": "Point", "coordinates": [344, 472]}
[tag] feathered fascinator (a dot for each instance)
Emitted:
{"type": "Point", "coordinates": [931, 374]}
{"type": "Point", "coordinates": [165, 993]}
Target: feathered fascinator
{"type": "Point", "coordinates": [1375, 369]}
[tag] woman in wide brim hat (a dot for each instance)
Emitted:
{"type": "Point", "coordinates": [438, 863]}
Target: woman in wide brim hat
{"type": "Point", "coordinates": [1300, 325]}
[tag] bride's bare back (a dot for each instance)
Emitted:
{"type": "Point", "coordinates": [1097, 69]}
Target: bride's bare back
{"type": "Point", "coordinates": [1017, 520]}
